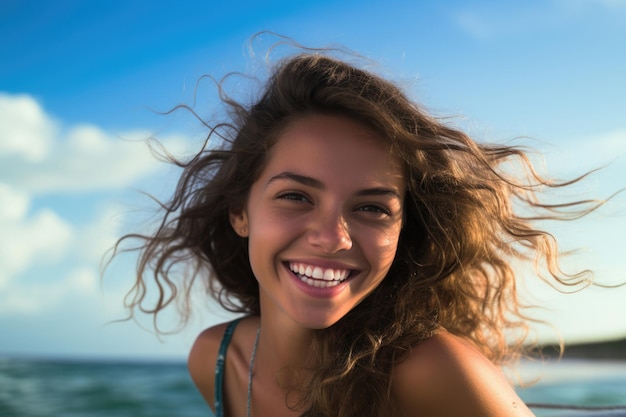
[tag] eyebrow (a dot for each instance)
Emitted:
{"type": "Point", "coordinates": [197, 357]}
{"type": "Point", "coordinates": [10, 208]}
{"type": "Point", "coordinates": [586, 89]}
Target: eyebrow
{"type": "Point", "coordinates": [302, 179]}
{"type": "Point", "coordinates": [314, 183]}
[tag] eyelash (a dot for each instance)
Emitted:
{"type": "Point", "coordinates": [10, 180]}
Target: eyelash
{"type": "Point", "coordinates": [300, 197]}
{"type": "Point", "coordinates": [375, 209]}
{"type": "Point", "coordinates": [293, 196]}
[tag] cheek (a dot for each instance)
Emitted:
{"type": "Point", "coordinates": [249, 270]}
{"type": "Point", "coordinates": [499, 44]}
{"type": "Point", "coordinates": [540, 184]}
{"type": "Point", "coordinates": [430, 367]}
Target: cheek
{"type": "Point", "coordinates": [389, 253]}
{"type": "Point", "coordinates": [386, 247]}
{"type": "Point", "coordinates": [268, 236]}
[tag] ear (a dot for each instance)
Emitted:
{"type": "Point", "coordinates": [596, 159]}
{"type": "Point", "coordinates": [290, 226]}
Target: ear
{"type": "Point", "coordinates": [239, 221]}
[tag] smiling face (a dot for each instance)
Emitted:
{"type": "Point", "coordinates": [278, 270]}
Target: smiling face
{"type": "Point", "coordinates": [323, 219]}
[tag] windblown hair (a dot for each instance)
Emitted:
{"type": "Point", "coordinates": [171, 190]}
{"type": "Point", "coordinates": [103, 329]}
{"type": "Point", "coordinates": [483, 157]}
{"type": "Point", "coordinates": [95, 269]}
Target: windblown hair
{"type": "Point", "coordinates": [467, 217]}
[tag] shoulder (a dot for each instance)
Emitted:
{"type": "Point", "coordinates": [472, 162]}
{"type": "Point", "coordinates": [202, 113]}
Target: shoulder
{"type": "Point", "coordinates": [203, 358]}
{"type": "Point", "coordinates": [446, 375]}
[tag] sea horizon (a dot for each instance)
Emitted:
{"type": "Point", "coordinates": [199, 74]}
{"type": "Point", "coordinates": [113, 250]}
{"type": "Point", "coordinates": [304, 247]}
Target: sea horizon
{"type": "Point", "coordinates": [90, 386]}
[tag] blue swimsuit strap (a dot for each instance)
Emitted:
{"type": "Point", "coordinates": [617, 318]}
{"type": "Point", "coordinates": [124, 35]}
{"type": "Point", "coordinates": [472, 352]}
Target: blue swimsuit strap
{"type": "Point", "coordinates": [219, 368]}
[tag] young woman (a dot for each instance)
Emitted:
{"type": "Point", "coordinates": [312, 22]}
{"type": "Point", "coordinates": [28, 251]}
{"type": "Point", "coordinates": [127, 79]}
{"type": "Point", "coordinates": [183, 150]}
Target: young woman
{"type": "Point", "coordinates": [367, 246]}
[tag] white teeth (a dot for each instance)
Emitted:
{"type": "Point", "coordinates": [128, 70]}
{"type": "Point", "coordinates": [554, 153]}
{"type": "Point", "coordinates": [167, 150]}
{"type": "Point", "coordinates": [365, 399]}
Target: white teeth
{"type": "Point", "coordinates": [318, 283]}
{"type": "Point", "coordinates": [318, 277]}
{"type": "Point", "coordinates": [341, 274]}
{"type": "Point", "coordinates": [318, 273]}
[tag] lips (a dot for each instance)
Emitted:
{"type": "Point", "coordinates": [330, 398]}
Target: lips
{"type": "Point", "coordinates": [318, 277]}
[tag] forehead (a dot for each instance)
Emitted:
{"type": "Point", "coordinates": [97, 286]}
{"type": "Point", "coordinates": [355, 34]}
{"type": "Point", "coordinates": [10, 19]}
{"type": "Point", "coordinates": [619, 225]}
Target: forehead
{"type": "Point", "coordinates": [335, 149]}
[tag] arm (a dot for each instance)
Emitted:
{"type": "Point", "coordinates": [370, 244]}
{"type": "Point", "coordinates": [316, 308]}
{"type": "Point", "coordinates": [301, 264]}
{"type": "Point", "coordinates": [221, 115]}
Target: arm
{"type": "Point", "coordinates": [446, 376]}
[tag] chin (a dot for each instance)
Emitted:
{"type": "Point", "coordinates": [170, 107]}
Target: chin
{"type": "Point", "coordinates": [319, 322]}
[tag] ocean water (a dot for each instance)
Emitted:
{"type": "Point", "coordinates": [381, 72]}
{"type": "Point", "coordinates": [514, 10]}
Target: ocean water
{"type": "Point", "coordinates": [80, 388]}
{"type": "Point", "coordinates": [66, 388]}
{"type": "Point", "coordinates": [582, 383]}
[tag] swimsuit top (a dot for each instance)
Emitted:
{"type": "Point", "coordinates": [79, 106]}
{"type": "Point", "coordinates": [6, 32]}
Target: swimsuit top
{"type": "Point", "coordinates": [219, 367]}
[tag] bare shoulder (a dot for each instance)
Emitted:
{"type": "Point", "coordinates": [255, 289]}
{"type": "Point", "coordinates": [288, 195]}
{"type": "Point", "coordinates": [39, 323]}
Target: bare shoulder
{"type": "Point", "coordinates": [203, 358]}
{"type": "Point", "coordinates": [446, 375]}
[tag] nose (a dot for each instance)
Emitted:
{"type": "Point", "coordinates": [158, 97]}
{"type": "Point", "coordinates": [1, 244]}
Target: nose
{"type": "Point", "coordinates": [330, 232]}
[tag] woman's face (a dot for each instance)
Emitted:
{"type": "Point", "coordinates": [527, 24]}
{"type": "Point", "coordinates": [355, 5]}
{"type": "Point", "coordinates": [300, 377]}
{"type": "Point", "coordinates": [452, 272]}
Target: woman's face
{"type": "Point", "coordinates": [323, 219]}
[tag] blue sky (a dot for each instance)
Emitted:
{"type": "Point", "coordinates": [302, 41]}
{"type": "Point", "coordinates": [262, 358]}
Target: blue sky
{"type": "Point", "coordinates": [78, 80]}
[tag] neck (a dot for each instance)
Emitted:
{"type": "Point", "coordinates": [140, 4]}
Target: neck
{"type": "Point", "coordinates": [284, 343]}
{"type": "Point", "coordinates": [284, 346]}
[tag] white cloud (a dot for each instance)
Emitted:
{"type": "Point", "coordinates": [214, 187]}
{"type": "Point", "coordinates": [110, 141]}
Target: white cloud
{"type": "Point", "coordinates": [13, 203]}
{"type": "Point", "coordinates": [39, 297]}
{"type": "Point", "coordinates": [69, 255]}
{"type": "Point", "coordinates": [100, 234]}
{"type": "Point", "coordinates": [42, 240]}
{"type": "Point", "coordinates": [83, 280]}
{"type": "Point", "coordinates": [27, 240]}
{"type": "Point", "coordinates": [38, 157]}
{"type": "Point", "coordinates": [26, 131]}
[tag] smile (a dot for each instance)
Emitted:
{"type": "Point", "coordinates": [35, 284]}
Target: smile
{"type": "Point", "coordinates": [318, 277]}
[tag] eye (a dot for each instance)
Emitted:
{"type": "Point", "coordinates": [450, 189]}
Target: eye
{"type": "Point", "coordinates": [375, 209]}
{"type": "Point", "coordinates": [293, 196]}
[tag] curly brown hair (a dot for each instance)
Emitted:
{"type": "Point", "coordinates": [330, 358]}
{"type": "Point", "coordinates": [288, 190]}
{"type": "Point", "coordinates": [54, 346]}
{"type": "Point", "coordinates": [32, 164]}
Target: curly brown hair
{"type": "Point", "coordinates": [467, 217]}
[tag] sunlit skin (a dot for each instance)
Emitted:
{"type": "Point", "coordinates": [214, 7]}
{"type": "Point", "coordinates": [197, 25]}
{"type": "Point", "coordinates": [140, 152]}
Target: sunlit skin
{"type": "Point", "coordinates": [329, 199]}
{"type": "Point", "coordinates": [328, 207]}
